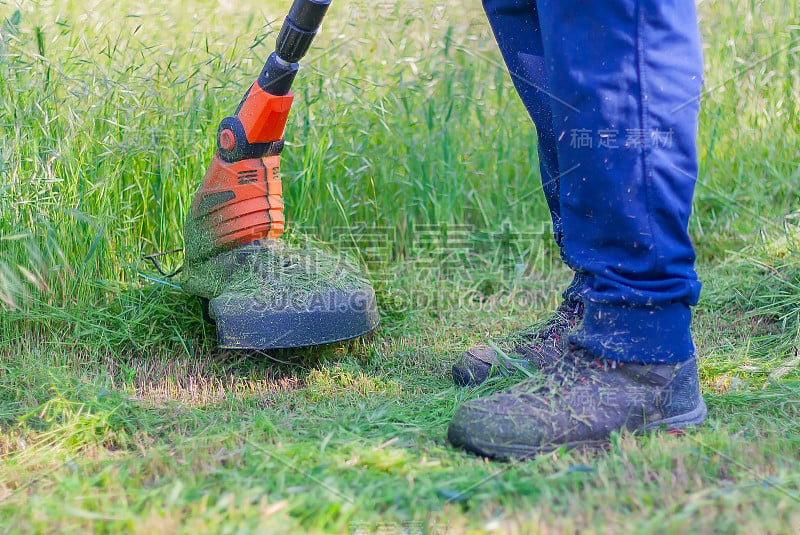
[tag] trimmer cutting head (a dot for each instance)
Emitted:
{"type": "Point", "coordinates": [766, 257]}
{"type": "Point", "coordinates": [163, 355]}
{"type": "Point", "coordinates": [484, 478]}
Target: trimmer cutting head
{"type": "Point", "coordinates": [244, 322]}
{"type": "Point", "coordinates": [270, 295]}
{"type": "Point", "coordinates": [261, 293]}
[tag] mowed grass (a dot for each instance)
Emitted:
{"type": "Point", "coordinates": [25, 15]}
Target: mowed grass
{"type": "Point", "coordinates": [409, 151]}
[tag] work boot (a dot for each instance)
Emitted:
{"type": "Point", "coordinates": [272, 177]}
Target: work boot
{"type": "Point", "coordinates": [580, 400]}
{"type": "Point", "coordinates": [534, 348]}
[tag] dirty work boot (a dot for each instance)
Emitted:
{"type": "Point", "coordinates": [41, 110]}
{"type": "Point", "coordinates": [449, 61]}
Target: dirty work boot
{"type": "Point", "coordinates": [579, 400]}
{"type": "Point", "coordinates": [537, 347]}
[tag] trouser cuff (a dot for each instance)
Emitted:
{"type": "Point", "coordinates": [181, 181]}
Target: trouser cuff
{"type": "Point", "coordinates": [642, 335]}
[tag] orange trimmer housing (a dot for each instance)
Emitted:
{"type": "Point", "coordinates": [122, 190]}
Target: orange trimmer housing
{"type": "Point", "coordinates": [241, 201]}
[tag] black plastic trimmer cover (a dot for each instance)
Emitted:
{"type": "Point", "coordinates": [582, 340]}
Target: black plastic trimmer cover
{"type": "Point", "coordinates": [246, 322]}
{"type": "Point", "coordinates": [273, 294]}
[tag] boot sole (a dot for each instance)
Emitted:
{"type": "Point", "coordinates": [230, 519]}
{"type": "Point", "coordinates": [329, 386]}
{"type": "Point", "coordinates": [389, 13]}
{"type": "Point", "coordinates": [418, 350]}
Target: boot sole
{"type": "Point", "coordinates": [524, 452]}
{"type": "Point", "coordinates": [695, 416]}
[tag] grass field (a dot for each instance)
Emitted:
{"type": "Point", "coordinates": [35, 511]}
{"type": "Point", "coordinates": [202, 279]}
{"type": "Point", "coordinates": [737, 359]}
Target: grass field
{"type": "Point", "coordinates": [407, 145]}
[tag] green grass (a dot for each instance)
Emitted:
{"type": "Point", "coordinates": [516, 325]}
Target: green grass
{"type": "Point", "coordinates": [117, 413]}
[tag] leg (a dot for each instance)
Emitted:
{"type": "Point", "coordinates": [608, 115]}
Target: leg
{"type": "Point", "coordinates": [515, 24]}
{"type": "Point", "coordinates": [628, 75]}
{"type": "Point", "coordinates": [625, 80]}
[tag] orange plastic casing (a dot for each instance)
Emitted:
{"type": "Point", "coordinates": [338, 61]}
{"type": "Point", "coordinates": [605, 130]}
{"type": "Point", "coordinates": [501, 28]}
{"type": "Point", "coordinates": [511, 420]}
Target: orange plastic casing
{"type": "Point", "coordinates": [238, 203]}
{"type": "Point", "coordinates": [263, 115]}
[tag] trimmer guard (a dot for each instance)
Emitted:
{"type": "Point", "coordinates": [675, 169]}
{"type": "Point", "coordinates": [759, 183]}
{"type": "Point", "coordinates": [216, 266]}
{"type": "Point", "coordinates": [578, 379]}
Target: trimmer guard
{"type": "Point", "coordinates": [273, 294]}
{"type": "Point", "coordinates": [246, 322]}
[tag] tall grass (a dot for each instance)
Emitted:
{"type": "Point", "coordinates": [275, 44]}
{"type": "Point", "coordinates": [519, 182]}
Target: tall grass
{"type": "Point", "coordinates": [109, 120]}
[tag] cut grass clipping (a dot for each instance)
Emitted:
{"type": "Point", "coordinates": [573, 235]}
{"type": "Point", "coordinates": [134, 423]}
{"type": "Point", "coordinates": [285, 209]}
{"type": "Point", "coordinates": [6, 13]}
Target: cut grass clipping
{"type": "Point", "coordinates": [276, 273]}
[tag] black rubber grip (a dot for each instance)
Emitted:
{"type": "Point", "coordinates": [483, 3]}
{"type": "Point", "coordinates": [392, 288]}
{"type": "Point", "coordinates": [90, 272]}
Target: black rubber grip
{"type": "Point", "coordinates": [299, 28]}
{"type": "Point", "coordinates": [307, 14]}
{"type": "Point", "coordinates": [293, 42]}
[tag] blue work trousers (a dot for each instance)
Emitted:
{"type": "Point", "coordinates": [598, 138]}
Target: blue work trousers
{"type": "Point", "coordinates": [613, 88]}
